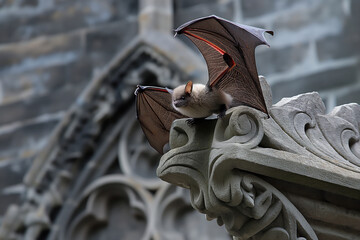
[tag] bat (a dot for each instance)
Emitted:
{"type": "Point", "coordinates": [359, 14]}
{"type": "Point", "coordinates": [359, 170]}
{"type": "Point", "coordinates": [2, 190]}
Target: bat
{"type": "Point", "coordinates": [229, 51]}
{"type": "Point", "coordinates": [155, 114]}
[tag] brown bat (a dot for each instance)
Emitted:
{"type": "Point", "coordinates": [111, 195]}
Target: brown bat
{"type": "Point", "coordinates": [229, 52]}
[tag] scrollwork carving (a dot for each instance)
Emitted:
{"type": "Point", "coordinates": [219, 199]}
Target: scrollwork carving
{"type": "Point", "coordinates": [255, 209]}
{"type": "Point", "coordinates": [240, 125]}
{"type": "Point", "coordinates": [177, 219]}
{"type": "Point", "coordinates": [83, 150]}
{"type": "Point", "coordinates": [136, 158]}
{"type": "Point", "coordinates": [221, 161]}
{"type": "Point", "coordinates": [333, 137]}
{"type": "Point", "coordinates": [109, 201]}
{"type": "Point", "coordinates": [210, 164]}
{"type": "Point", "coordinates": [344, 120]}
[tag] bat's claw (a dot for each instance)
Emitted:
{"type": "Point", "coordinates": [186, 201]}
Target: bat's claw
{"type": "Point", "coordinates": [221, 114]}
{"type": "Point", "coordinates": [192, 121]}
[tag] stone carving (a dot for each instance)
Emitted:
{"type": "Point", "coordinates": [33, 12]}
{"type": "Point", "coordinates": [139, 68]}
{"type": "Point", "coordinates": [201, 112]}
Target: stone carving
{"type": "Point", "coordinates": [96, 178]}
{"type": "Point", "coordinates": [248, 206]}
{"type": "Point", "coordinates": [218, 161]}
{"type": "Point", "coordinates": [90, 181]}
{"type": "Point", "coordinates": [106, 201]}
{"type": "Point", "coordinates": [136, 157]}
{"type": "Point", "coordinates": [333, 137]}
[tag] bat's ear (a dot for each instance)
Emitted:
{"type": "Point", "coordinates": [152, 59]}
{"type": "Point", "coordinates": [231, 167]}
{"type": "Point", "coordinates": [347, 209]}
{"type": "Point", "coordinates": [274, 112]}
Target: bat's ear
{"type": "Point", "coordinates": [188, 87]}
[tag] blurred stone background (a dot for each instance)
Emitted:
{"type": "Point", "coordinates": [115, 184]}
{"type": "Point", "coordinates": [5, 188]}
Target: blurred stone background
{"type": "Point", "coordinates": [50, 49]}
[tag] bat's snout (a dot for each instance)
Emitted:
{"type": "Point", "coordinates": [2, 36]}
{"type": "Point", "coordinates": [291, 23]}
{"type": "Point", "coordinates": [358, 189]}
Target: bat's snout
{"type": "Point", "coordinates": [177, 103]}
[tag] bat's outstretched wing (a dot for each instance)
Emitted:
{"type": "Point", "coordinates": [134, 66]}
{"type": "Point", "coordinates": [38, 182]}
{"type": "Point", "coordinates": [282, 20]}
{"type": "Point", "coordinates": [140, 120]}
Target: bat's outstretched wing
{"type": "Point", "coordinates": [155, 114]}
{"type": "Point", "coordinates": [229, 52]}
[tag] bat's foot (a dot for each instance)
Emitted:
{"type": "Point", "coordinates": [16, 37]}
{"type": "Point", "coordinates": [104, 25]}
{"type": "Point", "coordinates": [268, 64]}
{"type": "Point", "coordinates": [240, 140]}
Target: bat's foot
{"type": "Point", "coordinates": [222, 112]}
{"type": "Point", "coordinates": [192, 121]}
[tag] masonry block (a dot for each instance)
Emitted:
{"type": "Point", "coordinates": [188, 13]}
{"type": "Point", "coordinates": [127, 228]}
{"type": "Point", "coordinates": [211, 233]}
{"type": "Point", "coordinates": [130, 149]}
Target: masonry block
{"type": "Point", "coordinates": [327, 79]}
{"type": "Point", "coordinates": [53, 102]}
{"type": "Point", "coordinates": [305, 22]}
{"type": "Point", "coordinates": [11, 176]}
{"type": "Point", "coordinates": [31, 83]}
{"type": "Point", "coordinates": [191, 3]}
{"type": "Point", "coordinates": [101, 44]}
{"type": "Point", "coordinates": [277, 60]}
{"type": "Point", "coordinates": [352, 96]}
{"type": "Point", "coordinates": [26, 140]}
{"type": "Point", "coordinates": [255, 8]}
{"type": "Point", "coordinates": [345, 43]}
{"type": "Point", "coordinates": [184, 14]}
{"type": "Point", "coordinates": [40, 52]}
{"type": "Point", "coordinates": [62, 17]}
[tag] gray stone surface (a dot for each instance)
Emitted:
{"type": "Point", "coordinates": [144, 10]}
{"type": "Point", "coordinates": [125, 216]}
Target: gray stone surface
{"type": "Point", "coordinates": [40, 105]}
{"type": "Point", "coordinates": [349, 96]}
{"type": "Point", "coordinates": [51, 49]}
{"type": "Point", "coordinates": [299, 144]}
{"type": "Point", "coordinates": [324, 80]}
{"type": "Point", "coordinates": [258, 7]}
{"type": "Point", "coordinates": [94, 180]}
{"type": "Point", "coordinates": [11, 185]}
{"type": "Point", "coordinates": [27, 140]}
{"type": "Point", "coordinates": [53, 17]}
{"type": "Point", "coordinates": [282, 59]}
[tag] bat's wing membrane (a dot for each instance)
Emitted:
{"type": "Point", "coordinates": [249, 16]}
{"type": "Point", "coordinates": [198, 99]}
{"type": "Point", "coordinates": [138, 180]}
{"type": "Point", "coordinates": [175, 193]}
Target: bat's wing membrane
{"type": "Point", "coordinates": [155, 114]}
{"type": "Point", "coordinates": [229, 51]}
{"type": "Point", "coordinates": [217, 67]}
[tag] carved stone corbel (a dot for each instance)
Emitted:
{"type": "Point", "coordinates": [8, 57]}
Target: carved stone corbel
{"type": "Point", "coordinates": [222, 162]}
{"type": "Point", "coordinates": [247, 205]}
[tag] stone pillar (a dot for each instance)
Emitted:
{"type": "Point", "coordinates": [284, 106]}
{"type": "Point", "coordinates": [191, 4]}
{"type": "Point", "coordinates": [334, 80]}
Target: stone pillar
{"type": "Point", "coordinates": [156, 15]}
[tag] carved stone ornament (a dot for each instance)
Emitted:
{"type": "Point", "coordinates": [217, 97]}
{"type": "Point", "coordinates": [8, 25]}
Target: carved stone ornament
{"type": "Point", "coordinates": [96, 179]}
{"type": "Point", "coordinates": [221, 161]}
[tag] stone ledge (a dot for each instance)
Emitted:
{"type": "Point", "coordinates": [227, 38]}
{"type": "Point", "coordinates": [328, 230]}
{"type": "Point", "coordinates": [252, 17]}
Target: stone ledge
{"type": "Point", "coordinates": [221, 160]}
{"type": "Point", "coordinates": [307, 152]}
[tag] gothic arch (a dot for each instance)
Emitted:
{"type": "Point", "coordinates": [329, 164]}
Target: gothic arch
{"type": "Point", "coordinates": [97, 176]}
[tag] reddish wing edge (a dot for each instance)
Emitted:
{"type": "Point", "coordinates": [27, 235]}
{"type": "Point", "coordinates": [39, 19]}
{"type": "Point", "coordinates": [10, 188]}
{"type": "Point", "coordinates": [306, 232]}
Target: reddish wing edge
{"type": "Point", "coordinates": [230, 62]}
{"type": "Point", "coordinates": [155, 114]}
{"type": "Point", "coordinates": [255, 32]}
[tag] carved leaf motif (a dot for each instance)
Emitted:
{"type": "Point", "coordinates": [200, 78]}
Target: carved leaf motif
{"type": "Point", "coordinates": [261, 205]}
{"type": "Point", "coordinates": [136, 158]}
{"type": "Point", "coordinates": [333, 137]}
{"type": "Point", "coordinates": [178, 220]}
{"type": "Point", "coordinates": [240, 125]}
{"type": "Point", "coordinates": [245, 204]}
{"type": "Point", "coordinates": [341, 129]}
{"type": "Point", "coordinates": [299, 138]}
{"type": "Point", "coordinates": [108, 201]}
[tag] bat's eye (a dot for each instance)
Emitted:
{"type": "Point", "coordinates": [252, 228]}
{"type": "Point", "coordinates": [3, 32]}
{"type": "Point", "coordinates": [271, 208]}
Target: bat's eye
{"type": "Point", "coordinates": [182, 97]}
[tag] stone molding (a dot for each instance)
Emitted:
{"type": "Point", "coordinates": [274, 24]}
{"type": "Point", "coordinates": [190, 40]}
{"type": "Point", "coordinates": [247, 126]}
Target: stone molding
{"type": "Point", "coordinates": [221, 161]}
{"type": "Point", "coordinates": [88, 175]}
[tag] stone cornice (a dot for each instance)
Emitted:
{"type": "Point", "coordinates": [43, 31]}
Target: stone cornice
{"type": "Point", "coordinates": [221, 160]}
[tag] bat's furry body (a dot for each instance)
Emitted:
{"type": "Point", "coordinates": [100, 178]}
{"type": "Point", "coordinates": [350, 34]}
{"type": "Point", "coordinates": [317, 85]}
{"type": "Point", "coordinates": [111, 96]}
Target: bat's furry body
{"type": "Point", "coordinates": [201, 101]}
{"type": "Point", "coordinates": [229, 52]}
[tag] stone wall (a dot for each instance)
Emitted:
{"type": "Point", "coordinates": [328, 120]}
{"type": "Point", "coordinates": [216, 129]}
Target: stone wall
{"type": "Point", "coordinates": [50, 49]}
{"type": "Point", "coordinates": [315, 46]}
